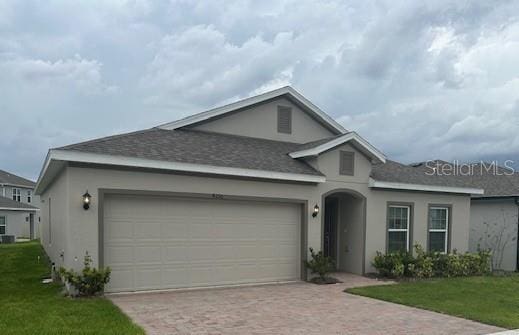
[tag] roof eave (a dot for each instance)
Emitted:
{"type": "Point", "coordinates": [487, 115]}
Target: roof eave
{"type": "Point", "coordinates": [63, 156]}
{"type": "Point", "coordinates": [19, 209]}
{"type": "Point", "coordinates": [424, 188]}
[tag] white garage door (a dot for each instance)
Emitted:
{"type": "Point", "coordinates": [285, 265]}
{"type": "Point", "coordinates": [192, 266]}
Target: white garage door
{"type": "Point", "coordinates": [164, 242]}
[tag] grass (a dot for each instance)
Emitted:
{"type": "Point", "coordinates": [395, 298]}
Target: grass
{"type": "Point", "coordinates": [492, 300]}
{"type": "Point", "coordinates": [30, 307]}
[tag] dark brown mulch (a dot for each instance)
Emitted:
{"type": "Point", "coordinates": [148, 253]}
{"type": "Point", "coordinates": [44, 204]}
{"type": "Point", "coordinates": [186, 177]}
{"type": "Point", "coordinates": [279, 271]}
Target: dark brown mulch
{"type": "Point", "coordinates": [326, 281]}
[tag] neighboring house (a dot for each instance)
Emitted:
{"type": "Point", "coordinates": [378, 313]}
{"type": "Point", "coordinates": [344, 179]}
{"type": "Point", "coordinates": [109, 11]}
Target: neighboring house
{"type": "Point", "coordinates": [19, 213]}
{"type": "Point", "coordinates": [237, 195]}
{"type": "Point", "coordinates": [494, 219]}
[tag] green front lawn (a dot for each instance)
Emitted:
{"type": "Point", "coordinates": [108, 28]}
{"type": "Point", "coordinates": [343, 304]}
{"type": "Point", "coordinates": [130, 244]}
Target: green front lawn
{"type": "Point", "coordinates": [491, 300]}
{"type": "Point", "coordinates": [29, 307]}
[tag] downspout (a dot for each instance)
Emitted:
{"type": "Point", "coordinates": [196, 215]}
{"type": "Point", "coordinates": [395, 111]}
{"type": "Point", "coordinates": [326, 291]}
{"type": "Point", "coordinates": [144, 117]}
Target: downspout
{"type": "Point", "coordinates": [516, 200]}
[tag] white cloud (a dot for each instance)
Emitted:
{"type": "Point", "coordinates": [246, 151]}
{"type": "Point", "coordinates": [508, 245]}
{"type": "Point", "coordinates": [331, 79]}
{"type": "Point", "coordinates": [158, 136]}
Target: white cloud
{"type": "Point", "coordinates": [83, 74]}
{"type": "Point", "coordinates": [419, 79]}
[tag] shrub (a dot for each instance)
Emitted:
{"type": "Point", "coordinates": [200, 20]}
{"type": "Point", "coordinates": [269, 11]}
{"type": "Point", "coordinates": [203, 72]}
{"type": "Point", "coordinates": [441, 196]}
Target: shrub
{"type": "Point", "coordinates": [422, 267]}
{"type": "Point", "coordinates": [320, 264]}
{"type": "Point", "coordinates": [90, 281]}
{"type": "Point", "coordinates": [393, 265]}
{"type": "Point", "coordinates": [427, 265]}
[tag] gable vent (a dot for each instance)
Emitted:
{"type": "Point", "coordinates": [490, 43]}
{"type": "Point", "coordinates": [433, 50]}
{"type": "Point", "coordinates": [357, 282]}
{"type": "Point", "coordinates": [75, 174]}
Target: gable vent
{"type": "Point", "coordinates": [347, 163]}
{"type": "Point", "coordinates": [284, 120]}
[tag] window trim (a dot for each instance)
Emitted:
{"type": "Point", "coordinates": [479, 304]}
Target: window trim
{"type": "Point", "coordinates": [287, 109]}
{"type": "Point", "coordinates": [16, 196]}
{"type": "Point", "coordinates": [4, 225]}
{"type": "Point", "coordinates": [29, 196]}
{"type": "Point", "coordinates": [447, 231]}
{"type": "Point", "coordinates": [342, 170]}
{"type": "Point", "coordinates": [410, 215]}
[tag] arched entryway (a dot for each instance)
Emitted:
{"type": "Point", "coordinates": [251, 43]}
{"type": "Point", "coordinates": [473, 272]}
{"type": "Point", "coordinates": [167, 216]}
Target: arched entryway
{"type": "Point", "coordinates": [343, 229]}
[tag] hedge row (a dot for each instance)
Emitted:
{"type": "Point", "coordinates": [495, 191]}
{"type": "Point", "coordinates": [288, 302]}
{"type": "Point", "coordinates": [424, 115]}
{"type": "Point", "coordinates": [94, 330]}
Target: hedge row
{"type": "Point", "coordinates": [426, 264]}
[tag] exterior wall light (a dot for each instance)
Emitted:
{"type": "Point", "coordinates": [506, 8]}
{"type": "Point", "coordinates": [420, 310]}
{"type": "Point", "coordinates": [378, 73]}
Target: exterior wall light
{"type": "Point", "coordinates": [86, 200]}
{"type": "Point", "coordinates": [316, 211]}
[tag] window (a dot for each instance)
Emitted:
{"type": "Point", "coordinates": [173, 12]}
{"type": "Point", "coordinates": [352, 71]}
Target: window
{"type": "Point", "coordinates": [347, 162]}
{"type": "Point", "coordinates": [29, 196]}
{"type": "Point", "coordinates": [284, 120]}
{"type": "Point", "coordinates": [398, 228]}
{"type": "Point", "coordinates": [16, 194]}
{"type": "Point", "coordinates": [438, 229]}
{"type": "Point", "coordinates": [3, 225]}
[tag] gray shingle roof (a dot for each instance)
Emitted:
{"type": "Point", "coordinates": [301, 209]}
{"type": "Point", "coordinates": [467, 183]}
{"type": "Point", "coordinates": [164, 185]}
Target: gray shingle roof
{"type": "Point", "coordinates": [9, 203]}
{"type": "Point", "coordinates": [493, 184]}
{"type": "Point", "coordinates": [208, 148]}
{"type": "Point", "coordinates": [200, 147]}
{"type": "Point", "coordinates": [11, 179]}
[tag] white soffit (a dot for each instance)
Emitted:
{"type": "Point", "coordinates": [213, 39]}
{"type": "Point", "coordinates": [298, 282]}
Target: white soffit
{"type": "Point", "coordinates": [427, 188]}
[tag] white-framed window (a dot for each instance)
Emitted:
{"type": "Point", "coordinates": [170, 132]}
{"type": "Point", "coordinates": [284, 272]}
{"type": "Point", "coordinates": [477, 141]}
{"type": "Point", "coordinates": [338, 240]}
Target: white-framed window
{"type": "Point", "coordinates": [3, 225]}
{"type": "Point", "coordinates": [17, 194]}
{"type": "Point", "coordinates": [29, 196]}
{"type": "Point", "coordinates": [399, 220]}
{"type": "Point", "coordinates": [438, 229]}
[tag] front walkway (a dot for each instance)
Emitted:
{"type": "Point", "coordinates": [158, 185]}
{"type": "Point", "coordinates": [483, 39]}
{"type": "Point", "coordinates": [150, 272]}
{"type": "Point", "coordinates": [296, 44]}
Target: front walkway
{"type": "Point", "coordinates": [298, 308]}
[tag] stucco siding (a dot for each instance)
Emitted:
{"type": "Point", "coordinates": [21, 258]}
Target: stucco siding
{"type": "Point", "coordinates": [329, 162]}
{"type": "Point", "coordinates": [15, 223]}
{"type": "Point", "coordinates": [261, 121]}
{"type": "Point", "coordinates": [493, 225]}
{"type": "Point", "coordinates": [55, 237]}
{"type": "Point", "coordinates": [376, 229]}
{"type": "Point", "coordinates": [81, 232]}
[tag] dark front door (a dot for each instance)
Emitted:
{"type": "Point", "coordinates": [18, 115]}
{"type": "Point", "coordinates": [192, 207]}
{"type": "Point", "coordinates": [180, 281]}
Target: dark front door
{"type": "Point", "coordinates": [330, 228]}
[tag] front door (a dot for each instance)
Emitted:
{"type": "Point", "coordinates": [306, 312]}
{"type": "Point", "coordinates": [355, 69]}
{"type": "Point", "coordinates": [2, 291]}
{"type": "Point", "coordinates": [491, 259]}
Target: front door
{"type": "Point", "coordinates": [330, 228]}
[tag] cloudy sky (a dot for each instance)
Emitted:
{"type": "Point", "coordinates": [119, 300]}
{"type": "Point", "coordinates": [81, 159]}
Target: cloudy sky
{"type": "Point", "coordinates": [419, 81]}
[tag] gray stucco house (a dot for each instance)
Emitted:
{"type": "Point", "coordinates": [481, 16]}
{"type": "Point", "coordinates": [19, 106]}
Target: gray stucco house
{"type": "Point", "coordinates": [494, 218]}
{"type": "Point", "coordinates": [19, 212]}
{"type": "Point", "coordinates": [237, 195]}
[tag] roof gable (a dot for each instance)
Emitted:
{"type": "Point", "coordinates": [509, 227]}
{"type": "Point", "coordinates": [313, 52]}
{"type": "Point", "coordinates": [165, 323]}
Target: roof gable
{"type": "Point", "coordinates": [318, 147]}
{"type": "Point", "coordinates": [286, 91]}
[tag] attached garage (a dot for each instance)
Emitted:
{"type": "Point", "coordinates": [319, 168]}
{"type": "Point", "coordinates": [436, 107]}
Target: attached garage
{"type": "Point", "coordinates": [164, 242]}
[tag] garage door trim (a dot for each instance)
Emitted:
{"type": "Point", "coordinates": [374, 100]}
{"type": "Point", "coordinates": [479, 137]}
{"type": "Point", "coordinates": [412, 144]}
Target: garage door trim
{"type": "Point", "coordinates": [105, 191]}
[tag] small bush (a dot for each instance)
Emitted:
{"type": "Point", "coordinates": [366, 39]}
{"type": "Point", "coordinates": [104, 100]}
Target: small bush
{"type": "Point", "coordinates": [393, 265]}
{"type": "Point", "coordinates": [320, 264]}
{"type": "Point", "coordinates": [90, 281]}
{"type": "Point", "coordinates": [423, 266]}
{"type": "Point", "coordinates": [427, 264]}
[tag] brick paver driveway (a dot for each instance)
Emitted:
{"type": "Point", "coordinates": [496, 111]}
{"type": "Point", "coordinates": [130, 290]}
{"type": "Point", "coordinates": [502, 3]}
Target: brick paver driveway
{"type": "Point", "coordinates": [298, 308]}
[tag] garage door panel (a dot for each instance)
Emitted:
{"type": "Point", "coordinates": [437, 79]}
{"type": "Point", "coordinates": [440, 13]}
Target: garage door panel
{"type": "Point", "coordinates": [175, 253]}
{"type": "Point", "coordinates": [117, 255]}
{"type": "Point", "coordinates": [148, 278]}
{"type": "Point", "coordinates": [166, 242]}
{"type": "Point", "coordinates": [122, 278]}
{"type": "Point", "coordinates": [147, 254]}
{"type": "Point", "coordinates": [148, 230]}
{"type": "Point", "coordinates": [176, 277]}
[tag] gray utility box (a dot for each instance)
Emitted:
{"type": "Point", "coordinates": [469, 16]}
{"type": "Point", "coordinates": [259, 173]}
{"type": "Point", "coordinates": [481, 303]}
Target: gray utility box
{"type": "Point", "coordinates": [8, 239]}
